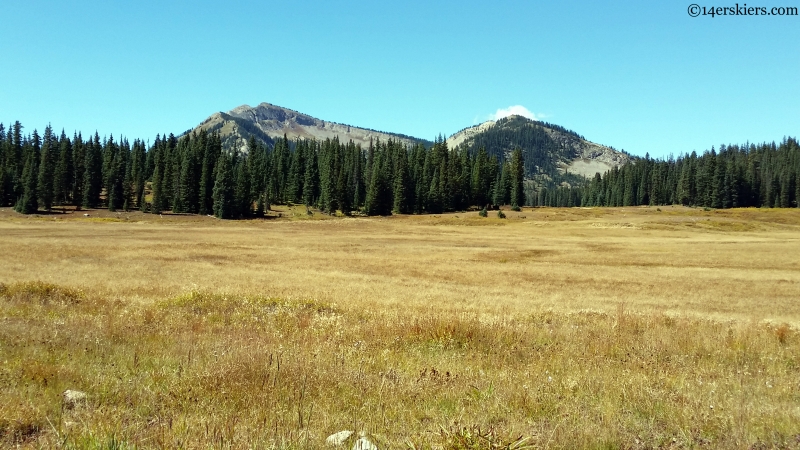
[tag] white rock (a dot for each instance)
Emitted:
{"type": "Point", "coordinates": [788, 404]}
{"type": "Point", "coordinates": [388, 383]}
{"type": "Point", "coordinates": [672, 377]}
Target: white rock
{"type": "Point", "coordinates": [73, 398]}
{"type": "Point", "coordinates": [364, 444]}
{"type": "Point", "coordinates": [337, 439]}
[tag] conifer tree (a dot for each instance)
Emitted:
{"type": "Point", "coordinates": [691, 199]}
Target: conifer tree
{"type": "Point", "coordinates": [28, 203]}
{"type": "Point", "coordinates": [158, 175]}
{"type": "Point", "coordinates": [502, 187]}
{"type": "Point", "coordinates": [243, 194]}
{"type": "Point", "coordinates": [78, 165]}
{"type": "Point", "coordinates": [311, 181]}
{"type": "Point", "coordinates": [223, 194]}
{"type": "Point", "coordinates": [378, 202]}
{"type": "Point", "coordinates": [3, 173]}
{"type": "Point", "coordinates": [434, 194]}
{"type": "Point", "coordinates": [517, 177]}
{"type": "Point", "coordinates": [44, 186]}
{"type": "Point", "coordinates": [18, 159]}
{"type": "Point", "coordinates": [797, 189]}
{"type": "Point", "coordinates": [212, 148]}
{"type": "Point", "coordinates": [402, 202]}
{"type": "Point", "coordinates": [294, 186]}
{"type": "Point", "coordinates": [92, 179]}
{"type": "Point", "coordinates": [64, 170]}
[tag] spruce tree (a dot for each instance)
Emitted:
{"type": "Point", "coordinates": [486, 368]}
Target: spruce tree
{"type": "Point", "coordinates": [27, 203]}
{"type": "Point", "coordinates": [64, 170]}
{"type": "Point", "coordinates": [517, 177]}
{"type": "Point", "coordinates": [78, 166]}
{"type": "Point", "coordinates": [3, 173]}
{"type": "Point", "coordinates": [378, 202]}
{"type": "Point", "coordinates": [44, 185]}
{"type": "Point", "coordinates": [243, 194]}
{"type": "Point", "coordinates": [158, 176]}
{"type": "Point", "coordinates": [797, 189]}
{"type": "Point", "coordinates": [223, 195]}
{"type": "Point", "coordinates": [92, 173]}
{"type": "Point", "coordinates": [502, 187]}
{"type": "Point", "coordinates": [402, 203]}
{"type": "Point", "coordinates": [311, 181]}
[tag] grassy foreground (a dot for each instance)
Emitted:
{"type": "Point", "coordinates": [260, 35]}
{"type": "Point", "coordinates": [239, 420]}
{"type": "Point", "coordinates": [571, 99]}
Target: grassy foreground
{"type": "Point", "coordinates": [201, 370]}
{"type": "Point", "coordinates": [225, 366]}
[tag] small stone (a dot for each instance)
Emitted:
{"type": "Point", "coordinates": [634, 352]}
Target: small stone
{"type": "Point", "coordinates": [364, 444]}
{"type": "Point", "coordinates": [337, 439]}
{"type": "Point", "coordinates": [73, 398]}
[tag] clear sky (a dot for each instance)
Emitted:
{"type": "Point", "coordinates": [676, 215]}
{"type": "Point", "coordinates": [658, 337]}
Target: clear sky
{"type": "Point", "coordinates": [639, 76]}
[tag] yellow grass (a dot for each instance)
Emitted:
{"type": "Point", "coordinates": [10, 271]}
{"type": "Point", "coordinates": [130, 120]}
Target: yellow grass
{"type": "Point", "coordinates": [553, 328]}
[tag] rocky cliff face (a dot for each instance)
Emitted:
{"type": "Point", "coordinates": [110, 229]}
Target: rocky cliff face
{"type": "Point", "coordinates": [268, 122]}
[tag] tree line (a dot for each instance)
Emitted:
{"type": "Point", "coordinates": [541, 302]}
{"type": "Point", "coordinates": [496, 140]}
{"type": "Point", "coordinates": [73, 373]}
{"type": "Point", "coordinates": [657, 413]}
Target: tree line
{"type": "Point", "coordinates": [196, 174]}
{"type": "Point", "coordinates": [748, 175]}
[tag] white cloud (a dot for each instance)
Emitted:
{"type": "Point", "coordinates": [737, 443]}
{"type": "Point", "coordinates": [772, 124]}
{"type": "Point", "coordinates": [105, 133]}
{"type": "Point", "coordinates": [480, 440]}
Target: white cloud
{"type": "Point", "coordinates": [518, 110]}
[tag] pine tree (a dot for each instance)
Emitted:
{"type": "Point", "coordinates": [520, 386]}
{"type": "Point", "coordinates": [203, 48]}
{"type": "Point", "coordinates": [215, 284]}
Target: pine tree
{"type": "Point", "coordinates": [212, 149]}
{"type": "Point", "coordinates": [294, 186]}
{"type": "Point", "coordinates": [79, 168]}
{"type": "Point", "coordinates": [797, 189]}
{"type": "Point", "coordinates": [434, 203]}
{"type": "Point", "coordinates": [158, 176]}
{"type": "Point", "coordinates": [502, 193]}
{"type": "Point", "coordinates": [223, 194]}
{"type": "Point", "coordinates": [92, 178]}
{"type": "Point", "coordinates": [517, 175]}
{"type": "Point", "coordinates": [64, 170]}
{"type": "Point", "coordinates": [189, 178]}
{"type": "Point", "coordinates": [44, 186]}
{"type": "Point", "coordinates": [311, 181]}
{"type": "Point", "coordinates": [3, 173]}
{"type": "Point", "coordinates": [378, 201]}
{"type": "Point", "coordinates": [243, 194]}
{"type": "Point", "coordinates": [27, 203]}
{"type": "Point", "coordinates": [402, 203]}
{"type": "Point", "coordinates": [15, 162]}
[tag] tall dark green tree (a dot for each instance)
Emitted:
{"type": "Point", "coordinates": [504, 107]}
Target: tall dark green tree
{"type": "Point", "coordinates": [93, 173]}
{"type": "Point", "coordinates": [28, 202]}
{"type": "Point", "coordinates": [44, 185]}
{"type": "Point", "coordinates": [79, 168]}
{"type": "Point", "coordinates": [64, 171]}
{"type": "Point", "coordinates": [224, 195]}
{"type": "Point", "coordinates": [402, 181]}
{"type": "Point", "coordinates": [242, 191]}
{"type": "Point", "coordinates": [517, 178]}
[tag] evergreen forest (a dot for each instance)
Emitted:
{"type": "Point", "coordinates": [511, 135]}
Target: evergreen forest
{"type": "Point", "coordinates": [197, 174]}
{"type": "Point", "coordinates": [748, 175]}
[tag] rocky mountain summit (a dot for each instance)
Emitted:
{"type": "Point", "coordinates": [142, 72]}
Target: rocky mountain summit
{"type": "Point", "coordinates": [268, 122]}
{"type": "Point", "coordinates": [551, 152]}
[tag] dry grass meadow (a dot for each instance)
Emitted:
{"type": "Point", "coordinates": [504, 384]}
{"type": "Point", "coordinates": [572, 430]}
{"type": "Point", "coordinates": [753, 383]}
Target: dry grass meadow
{"type": "Point", "coordinates": [553, 328]}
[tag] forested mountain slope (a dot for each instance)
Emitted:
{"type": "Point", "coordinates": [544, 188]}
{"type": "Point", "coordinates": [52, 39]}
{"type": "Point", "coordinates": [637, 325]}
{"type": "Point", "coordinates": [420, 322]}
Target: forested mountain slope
{"type": "Point", "coordinates": [551, 152]}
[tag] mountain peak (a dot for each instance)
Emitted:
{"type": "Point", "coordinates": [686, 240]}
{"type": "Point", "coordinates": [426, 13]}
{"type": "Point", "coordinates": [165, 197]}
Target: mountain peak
{"type": "Point", "coordinates": [267, 122]}
{"type": "Point", "coordinates": [549, 149]}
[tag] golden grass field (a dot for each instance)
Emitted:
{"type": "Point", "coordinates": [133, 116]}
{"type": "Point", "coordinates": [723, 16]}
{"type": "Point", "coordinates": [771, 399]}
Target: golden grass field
{"type": "Point", "coordinates": [553, 328]}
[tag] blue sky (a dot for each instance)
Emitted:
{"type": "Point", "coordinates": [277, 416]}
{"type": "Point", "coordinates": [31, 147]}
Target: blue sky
{"type": "Point", "coordinates": [637, 76]}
